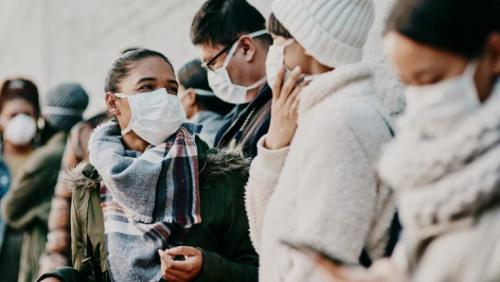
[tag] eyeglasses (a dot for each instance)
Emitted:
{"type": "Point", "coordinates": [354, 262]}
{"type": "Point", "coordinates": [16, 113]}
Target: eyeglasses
{"type": "Point", "coordinates": [208, 65]}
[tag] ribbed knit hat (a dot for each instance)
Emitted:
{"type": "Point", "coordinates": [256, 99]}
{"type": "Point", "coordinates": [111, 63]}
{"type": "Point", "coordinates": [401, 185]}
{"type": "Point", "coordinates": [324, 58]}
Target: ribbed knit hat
{"type": "Point", "coordinates": [332, 31]}
{"type": "Point", "coordinates": [65, 105]}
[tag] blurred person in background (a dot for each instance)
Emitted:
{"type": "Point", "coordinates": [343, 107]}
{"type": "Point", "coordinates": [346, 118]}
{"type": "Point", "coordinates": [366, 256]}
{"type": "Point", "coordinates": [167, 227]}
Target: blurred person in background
{"type": "Point", "coordinates": [58, 248]}
{"type": "Point", "coordinates": [155, 203]}
{"type": "Point", "coordinates": [19, 113]}
{"type": "Point", "coordinates": [26, 205]}
{"type": "Point", "coordinates": [199, 102]}
{"type": "Point", "coordinates": [445, 161]}
{"type": "Point", "coordinates": [233, 45]}
{"type": "Point", "coordinates": [314, 180]}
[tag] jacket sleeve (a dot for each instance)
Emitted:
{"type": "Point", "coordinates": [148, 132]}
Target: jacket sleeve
{"type": "Point", "coordinates": [237, 260]}
{"type": "Point", "coordinates": [28, 199]}
{"type": "Point", "coordinates": [265, 171]}
{"type": "Point", "coordinates": [337, 191]}
{"type": "Point", "coordinates": [65, 274]}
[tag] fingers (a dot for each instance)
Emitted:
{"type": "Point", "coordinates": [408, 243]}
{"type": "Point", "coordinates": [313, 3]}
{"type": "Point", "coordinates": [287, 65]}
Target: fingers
{"type": "Point", "coordinates": [172, 271]}
{"type": "Point", "coordinates": [276, 88]}
{"type": "Point", "coordinates": [291, 83]}
{"type": "Point", "coordinates": [182, 251]}
{"type": "Point", "coordinates": [183, 266]}
{"type": "Point", "coordinates": [293, 96]}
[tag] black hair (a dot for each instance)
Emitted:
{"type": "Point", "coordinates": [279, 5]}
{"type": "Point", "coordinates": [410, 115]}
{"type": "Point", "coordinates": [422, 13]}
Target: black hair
{"type": "Point", "coordinates": [274, 26]}
{"type": "Point", "coordinates": [129, 49]}
{"type": "Point", "coordinates": [20, 88]}
{"type": "Point", "coordinates": [223, 21]}
{"type": "Point", "coordinates": [193, 75]}
{"type": "Point", "coordinates": [459, 26]}
{"type": "Point", "coordinates": [121, 66]}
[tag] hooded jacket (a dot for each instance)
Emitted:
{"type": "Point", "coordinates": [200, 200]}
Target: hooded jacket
{"type": "Point", "coordinates": [222, 236]}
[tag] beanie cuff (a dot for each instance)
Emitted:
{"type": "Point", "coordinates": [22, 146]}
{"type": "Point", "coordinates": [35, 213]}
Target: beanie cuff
{"type": "Point", "coordinates": [323, 47]}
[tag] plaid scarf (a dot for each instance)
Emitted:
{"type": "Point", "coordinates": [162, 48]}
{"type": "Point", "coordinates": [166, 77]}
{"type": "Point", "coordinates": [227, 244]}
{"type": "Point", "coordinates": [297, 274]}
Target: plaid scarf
{"type": "Point", "coordinates": [149, 200]}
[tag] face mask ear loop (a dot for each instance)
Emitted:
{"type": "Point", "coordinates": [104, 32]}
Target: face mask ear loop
{"type": "Point", "coordinates": [230, 54]}
{"type": "Point", "coordinates": [129, 126]}
{"type": "Point", "coordinates": [471, 68]}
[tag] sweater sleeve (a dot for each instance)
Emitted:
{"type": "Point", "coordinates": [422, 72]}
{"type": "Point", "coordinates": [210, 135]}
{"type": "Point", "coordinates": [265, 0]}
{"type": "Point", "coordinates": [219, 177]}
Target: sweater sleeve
{"type": "Point", "coordinates": [337, 198]}
{"type": "Point", "coordinates": [264, 174]}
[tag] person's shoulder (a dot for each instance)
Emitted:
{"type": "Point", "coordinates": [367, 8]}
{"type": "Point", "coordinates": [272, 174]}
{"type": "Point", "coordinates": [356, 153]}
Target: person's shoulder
{"type": "Point", "coordinates": [51, 151]}
{"type": "Point", "coordinates": [83, 178]}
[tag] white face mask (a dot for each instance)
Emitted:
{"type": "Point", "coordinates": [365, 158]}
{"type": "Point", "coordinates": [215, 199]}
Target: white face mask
{"type": "Point", "coordinates": [155, 116]}
{"type": "Point", "coordinates": [220, 81]}
{"type": "Point", "coordinates": [20, 130]}
{"type": "Point", "coordinates": [275, 60]}
{"type": "Point", "coordinates": [447, 101]}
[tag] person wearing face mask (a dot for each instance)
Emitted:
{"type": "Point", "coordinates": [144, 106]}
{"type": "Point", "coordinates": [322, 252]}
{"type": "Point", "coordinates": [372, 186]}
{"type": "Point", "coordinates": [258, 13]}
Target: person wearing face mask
{"type": "Point", "coordinates": [314, 180]}
{"type": "Point", "coordinates": [26, 205]}
{"type": "Point", "coordinates": [155, 203]}
{"type": "Point", "coordinates": [445, 162]}
{"type": "Point", "coordinates": [199, 102]}
{"type": "Point", "coordinates": [233, 44]}
{"type": "Point", "coordinates": [19, 112]}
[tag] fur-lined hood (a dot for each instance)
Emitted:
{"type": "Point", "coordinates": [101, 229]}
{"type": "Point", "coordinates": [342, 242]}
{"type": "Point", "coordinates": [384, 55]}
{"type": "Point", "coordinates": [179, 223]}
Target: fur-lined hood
{"type": "Point", "coordinates": [212, 165]}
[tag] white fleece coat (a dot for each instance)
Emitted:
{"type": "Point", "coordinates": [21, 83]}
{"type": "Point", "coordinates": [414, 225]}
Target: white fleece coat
{"type": "Point", "coordinates": [323, 189]}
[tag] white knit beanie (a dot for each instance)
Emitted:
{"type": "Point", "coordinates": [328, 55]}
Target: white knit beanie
{"type": "Point", "coordinates": [332, 31]}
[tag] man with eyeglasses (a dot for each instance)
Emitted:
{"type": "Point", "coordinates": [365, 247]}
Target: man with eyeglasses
{"type": "Point", "coordinates": [233, 42]}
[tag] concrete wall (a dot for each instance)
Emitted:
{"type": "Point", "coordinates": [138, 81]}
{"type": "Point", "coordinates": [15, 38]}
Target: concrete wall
{"type": "Point", "coordinates": [59, 40]}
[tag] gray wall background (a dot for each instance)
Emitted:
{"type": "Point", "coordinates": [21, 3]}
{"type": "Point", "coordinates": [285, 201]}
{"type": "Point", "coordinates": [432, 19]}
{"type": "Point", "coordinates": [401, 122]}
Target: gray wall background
{"type": "Point", "coordinates": [51, 41]}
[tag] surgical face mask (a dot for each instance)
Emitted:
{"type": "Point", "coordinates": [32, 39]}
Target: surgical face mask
{"type": "Point", "coordinates": [155, 115]}
{"type": "Point", "coordinates": [275, 60]}
{"type": "Point", "coordinates": [220, 81]}
{"type": "Point", "coordinates": [20, 130]}
{"type": "Point", "coordinates": [445, 102]}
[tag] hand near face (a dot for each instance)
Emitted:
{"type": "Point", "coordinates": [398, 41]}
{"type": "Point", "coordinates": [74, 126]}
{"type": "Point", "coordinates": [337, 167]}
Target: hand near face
{"type": "Point", "coordinates": [181, 270]}
{"type": "Point", "coordinates": [284, 109]}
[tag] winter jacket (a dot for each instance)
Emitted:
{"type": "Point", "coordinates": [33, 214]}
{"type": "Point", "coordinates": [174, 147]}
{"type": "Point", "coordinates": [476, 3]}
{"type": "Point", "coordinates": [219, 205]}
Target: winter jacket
{"type": "Point", "coordinates": [246, 124]}
{"type": "Point", "coordinates": [323, 189]}
{"type": "Point", "coordinates": [222, 236]}
{"type": "Point", "coordinates": [26, 205]}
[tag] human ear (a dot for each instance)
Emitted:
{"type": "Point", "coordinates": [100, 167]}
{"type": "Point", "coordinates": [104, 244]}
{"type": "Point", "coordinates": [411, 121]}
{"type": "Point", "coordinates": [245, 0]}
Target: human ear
{"type": "Point", "coordinates": [249, 48]}
{"type": "Point", "coordinates": [112, 104]}
{"type": "Point", "coordinates": [190, 97]}
{"type": "Point", "coordinates": [493, 51]}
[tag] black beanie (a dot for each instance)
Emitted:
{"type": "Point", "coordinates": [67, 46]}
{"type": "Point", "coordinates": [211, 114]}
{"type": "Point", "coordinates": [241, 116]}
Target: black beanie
{"type": "Point", "coordinates": [460, 26]}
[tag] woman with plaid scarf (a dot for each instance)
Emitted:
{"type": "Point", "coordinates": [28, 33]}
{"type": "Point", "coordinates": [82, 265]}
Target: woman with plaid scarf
{"type": "Point", "coordinates": [155, 203]}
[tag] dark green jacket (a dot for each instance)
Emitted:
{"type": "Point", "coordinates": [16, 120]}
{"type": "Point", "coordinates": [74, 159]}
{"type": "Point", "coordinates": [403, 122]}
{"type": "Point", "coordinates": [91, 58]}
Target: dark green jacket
{"type": "Point", "coordinates": [26, 205]}
{"type": "Point", "coordinates": [223, 235]}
